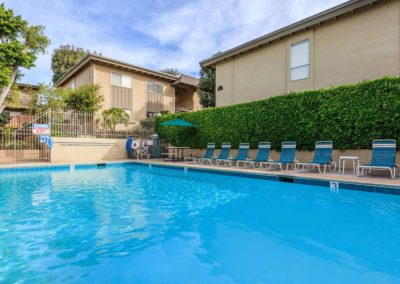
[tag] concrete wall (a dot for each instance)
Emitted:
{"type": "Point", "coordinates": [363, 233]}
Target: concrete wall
{"type": "Point", "coordinates": [66, 149]}
{"type": "Point", "coordinates": [364, 45]}
{"type": "Point", "coordinates": [303, 156]}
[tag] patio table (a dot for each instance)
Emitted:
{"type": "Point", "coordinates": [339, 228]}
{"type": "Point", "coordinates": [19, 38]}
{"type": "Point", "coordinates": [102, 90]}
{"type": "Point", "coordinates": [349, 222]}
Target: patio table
{"type": "Point", "coordinates": [177, 153]}
{"type": "Point", "coordinates": [342, 162]}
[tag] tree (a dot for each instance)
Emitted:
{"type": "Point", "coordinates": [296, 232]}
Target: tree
{"type": "Point", "coordinates": [64, 57]}
{"type": "Point", "coordinates": [85, 98]}
{"type": "Point", "coordinates": [207, 87]}
{"type": "Point", "coordinates": [113, 116]}
{"type": "Point", "coordinates": [20, 46]}
{"type": "Point", "coordinates": [49, 97]}
{"type": "Point", "coordinates": [172, 71]}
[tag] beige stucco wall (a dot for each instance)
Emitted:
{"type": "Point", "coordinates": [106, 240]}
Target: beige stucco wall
{"type": "Point", "coordinates": [364, 45]}
{"type": "Point", "coordinates": [187, 98]}
{"type": "Point", "coordinates": [85, 76]}
{"type": "Point", "coordinates": [102, 76]}
{"type": "Point", "coordinates": [67, 149]}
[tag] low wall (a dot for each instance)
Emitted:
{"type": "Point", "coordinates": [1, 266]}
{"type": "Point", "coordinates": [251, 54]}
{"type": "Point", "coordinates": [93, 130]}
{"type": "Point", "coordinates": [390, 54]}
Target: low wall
{"type": "Point", "coordinates": [67, 149]}
{"type": "Point", "coordinates": [304, 156]}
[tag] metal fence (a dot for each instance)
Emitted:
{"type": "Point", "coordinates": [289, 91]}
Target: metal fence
{"type": "Point", "coordinates": [17, 121]}
{"type": "Point", "coordinates": [22, 146]}
{"type": "Point", "coordinates": [83, 124]}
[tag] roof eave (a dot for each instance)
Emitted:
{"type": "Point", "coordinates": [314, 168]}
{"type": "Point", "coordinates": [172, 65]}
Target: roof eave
{"type": "Point", "coordinates": [300, 26]}
{"type": "Point", "coordinates": [115, 63]}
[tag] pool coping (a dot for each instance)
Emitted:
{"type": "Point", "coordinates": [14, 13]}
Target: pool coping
{"type": "Point", "coordinates": [332, 183]}
{"type": "Point", "coordinates": [282, 177]}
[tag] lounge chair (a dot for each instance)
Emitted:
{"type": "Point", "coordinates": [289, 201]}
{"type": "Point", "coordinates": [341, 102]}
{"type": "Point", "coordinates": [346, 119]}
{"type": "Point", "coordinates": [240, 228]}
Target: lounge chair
{"type": "Point", "coordinates": [223, 154]}
{"type": "Point", "coordinates": [208, 154]}
{"type": "Point", "coordinates": [242, 155]}
{"type": "Point", "coordinates": [264, 149]}
{"type": "Point", "coordinates": [383, 157]}
{"type": "Point", "coordinates": [322, 157]}
{"type": "Point", "coordinates": [288, 157]}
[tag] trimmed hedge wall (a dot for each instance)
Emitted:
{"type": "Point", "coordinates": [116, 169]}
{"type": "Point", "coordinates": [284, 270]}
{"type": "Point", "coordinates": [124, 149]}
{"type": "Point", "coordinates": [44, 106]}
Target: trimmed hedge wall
{"type": "Point", "coordinates": [350, 115]}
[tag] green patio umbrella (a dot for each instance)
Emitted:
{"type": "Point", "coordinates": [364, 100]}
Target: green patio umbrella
{"type": "Point", "coordinates": [177, 122]}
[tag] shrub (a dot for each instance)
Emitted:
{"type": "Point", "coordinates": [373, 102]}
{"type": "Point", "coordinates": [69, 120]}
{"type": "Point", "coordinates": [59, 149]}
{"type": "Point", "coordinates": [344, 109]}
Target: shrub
{"type": "Point", "coordinates": [85, 98]}
{"type": "Point", "coordinates": [113, 116]}
{"type": "Point", "coordinates": [350, 115]}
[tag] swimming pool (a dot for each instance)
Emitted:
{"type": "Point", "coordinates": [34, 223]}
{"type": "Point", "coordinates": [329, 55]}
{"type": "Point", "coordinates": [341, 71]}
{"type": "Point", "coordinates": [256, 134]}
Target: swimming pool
{"type": "Point", "coordinates": [131, 224]}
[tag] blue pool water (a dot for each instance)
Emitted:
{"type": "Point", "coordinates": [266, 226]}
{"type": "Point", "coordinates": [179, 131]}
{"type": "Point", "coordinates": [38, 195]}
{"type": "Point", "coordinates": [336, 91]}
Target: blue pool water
{"type": "Point", "coordinates": [132, 224]}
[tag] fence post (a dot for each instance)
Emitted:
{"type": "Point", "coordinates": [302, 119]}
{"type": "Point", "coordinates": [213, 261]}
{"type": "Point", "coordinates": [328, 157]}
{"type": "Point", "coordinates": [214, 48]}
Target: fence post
{"type": "Point", "coordinates": [15, 146]}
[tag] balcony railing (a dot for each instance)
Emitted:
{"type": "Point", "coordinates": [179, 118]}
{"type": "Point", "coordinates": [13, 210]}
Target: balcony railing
{"type": "Point", "coordinates": [182, 109]}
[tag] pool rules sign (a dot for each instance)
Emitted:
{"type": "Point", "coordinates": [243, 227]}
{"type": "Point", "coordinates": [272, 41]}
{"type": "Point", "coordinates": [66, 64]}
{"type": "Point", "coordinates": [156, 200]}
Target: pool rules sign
{"type": "Point", "coordinates": [40, 129]}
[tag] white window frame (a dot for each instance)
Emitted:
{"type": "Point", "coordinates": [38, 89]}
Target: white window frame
{"type": "Point", "coordinates": [72, 84]}
{"type": "Point", "coordinates": [125, 81]}
{"type": "Point", "coordinates": [297, 67]}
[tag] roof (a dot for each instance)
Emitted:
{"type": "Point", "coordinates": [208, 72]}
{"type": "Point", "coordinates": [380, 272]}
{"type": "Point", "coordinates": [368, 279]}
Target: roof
{"type": "Point", "coordinates": [331, 14]}
{"type": "Point", "coordinates": [185, 81]}
{"type": "Point", "coordinates": [115, 63]}
{"type": "Point", "coordinates": [27, 86]}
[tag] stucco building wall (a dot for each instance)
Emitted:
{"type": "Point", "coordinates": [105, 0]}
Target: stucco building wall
{"type": "Point", "coordinates": [364, 45]}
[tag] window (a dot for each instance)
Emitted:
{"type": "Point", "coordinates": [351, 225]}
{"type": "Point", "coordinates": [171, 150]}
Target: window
{"type": "Point", "coordinates": [120, 80]}
{"type": "Point", "coordinates": [72, 85]}
{"type": "Point", "coordinates": [154, 97]}
{"type": "Point", "coordinates": [154, 87]}
{"type": "Point", "coordinates": [300, 60]}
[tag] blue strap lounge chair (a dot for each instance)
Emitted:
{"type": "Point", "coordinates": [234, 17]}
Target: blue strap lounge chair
{"type": "Point", "coordinates": [242, 155]}
{"type": "Point", "coordinates": [383, 157]}
{"type": "Point", "coordinates": [223, 154]}
{"type": "Point", "coordinates": [208, 154]}
{"type": "Point", "coordinates": [264, 149]}
{"type": "Point", "coordinates": [322, 156]}
{"type": "Point", "coordinates": [288, 157]}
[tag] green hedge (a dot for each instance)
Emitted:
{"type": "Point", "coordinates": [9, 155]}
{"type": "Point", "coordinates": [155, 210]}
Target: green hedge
{"type": "Point", "coordinates": [350, 115]}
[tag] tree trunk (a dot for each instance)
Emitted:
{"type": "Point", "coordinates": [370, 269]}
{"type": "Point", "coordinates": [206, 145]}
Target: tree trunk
{"type": "Point", "coordinates": [4, 92]}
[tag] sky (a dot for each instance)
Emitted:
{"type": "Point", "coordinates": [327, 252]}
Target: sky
{"type": "Point", "coordinates": [157, 34]}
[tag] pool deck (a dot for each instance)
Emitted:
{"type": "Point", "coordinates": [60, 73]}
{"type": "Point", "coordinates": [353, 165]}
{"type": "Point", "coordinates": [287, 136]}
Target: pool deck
{"type": "Point", "coordinates": [381, 179]}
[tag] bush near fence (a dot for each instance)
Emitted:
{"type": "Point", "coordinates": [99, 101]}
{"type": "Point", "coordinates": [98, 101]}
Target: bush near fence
{"type": "Point", "coordinates": [350, 115]}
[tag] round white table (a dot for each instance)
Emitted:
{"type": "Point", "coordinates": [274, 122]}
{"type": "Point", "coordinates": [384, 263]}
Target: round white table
{"type": "Point", "coordinates": [342, 162]}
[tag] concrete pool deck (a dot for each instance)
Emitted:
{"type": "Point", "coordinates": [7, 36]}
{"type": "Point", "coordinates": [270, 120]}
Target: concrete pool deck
{"type": "Point", "coordinates": [380, 179]}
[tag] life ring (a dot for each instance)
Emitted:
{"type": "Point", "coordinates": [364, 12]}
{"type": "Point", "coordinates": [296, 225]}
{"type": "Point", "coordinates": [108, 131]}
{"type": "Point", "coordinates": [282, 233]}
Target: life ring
{"type": "Point", "coordinates": [135, 144]}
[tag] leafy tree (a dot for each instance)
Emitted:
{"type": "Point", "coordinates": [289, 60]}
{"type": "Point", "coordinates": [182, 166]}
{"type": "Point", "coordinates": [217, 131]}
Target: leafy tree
{"type": "Point", "coordinates": [207, 87]}
{"type": "Point", "coordinates": [4, 118]}
{"type": "Point", "coordinates": [85, 98]}
{"type": "Point", "coordinates": [49, 97]}
{"type": "Point", "coordinates": [113, 116]}
{"type": "Point", "coordinates": [172, 71]}
{"type": "Point", "coordinates": [64, 57]}
{"type": "Point", "coordinates": [20, 46]}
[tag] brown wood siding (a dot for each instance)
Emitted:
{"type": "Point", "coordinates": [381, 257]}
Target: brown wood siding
{"type": "Point", "coordinates": [154, 102]}
{"type": "Point", "coordinates": [121, 97]}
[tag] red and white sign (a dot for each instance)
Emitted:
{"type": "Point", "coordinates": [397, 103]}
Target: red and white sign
{"type": "Point", "coordinates": [39, 129]}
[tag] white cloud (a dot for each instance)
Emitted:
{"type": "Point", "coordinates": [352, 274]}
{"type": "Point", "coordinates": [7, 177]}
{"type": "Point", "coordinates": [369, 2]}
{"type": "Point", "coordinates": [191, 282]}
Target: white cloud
{"type": "Point", "coordinates": [158, 34]}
